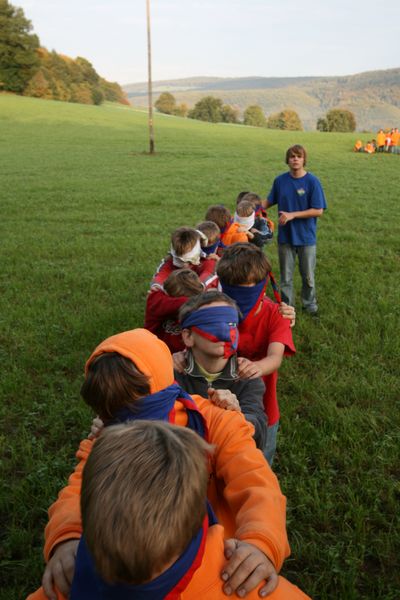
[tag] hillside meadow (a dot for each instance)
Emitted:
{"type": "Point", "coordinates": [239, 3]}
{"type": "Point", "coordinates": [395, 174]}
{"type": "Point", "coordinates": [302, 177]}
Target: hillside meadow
{"type": "Point", "coordinates": [86, 217]}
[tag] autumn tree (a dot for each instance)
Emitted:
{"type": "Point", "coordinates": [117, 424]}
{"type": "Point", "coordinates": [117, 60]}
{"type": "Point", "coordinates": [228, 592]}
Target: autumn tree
{"type": "Point", "coordinates": [286, 119]}
{"type": "Point", "coordinates": [254, 116]}
{"type": "Point", "coordinates": [229, 114]}
{"type": "Point", "coordinates": [18, 58]}
{"type": "Point", "coordinates": [166, 103]}
{"type": "Point", "coordinates": [207, 109]}
{"type": "Point", "coordinates": [340, 119]}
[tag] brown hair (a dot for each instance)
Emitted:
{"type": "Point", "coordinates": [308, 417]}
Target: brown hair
{"type": "Point", "coordinates": [210, 230]}
{"type": "Point", "coordinates": [296, 150]}
{"type": "Point", "coordinates": [204, 299]}
{"type": "Point", "coordinates": [240, 196]}
{"type": "Point", "coordinates": [113, 382]}
{"type": "Point", "coordinates": [242, 264]}
{"type": "Point", "coordinates": [219, 214]}
{"type": "Point", "coordinates": [143, 498]}
{"type": "Point", "coordinates": [183, 239]}
{"type": "Point", "coordinates": [183, 282]}
{"type": "Point", "coordinates": [244, 209]}
{"type": "Point", "coordinates": [250, 197]}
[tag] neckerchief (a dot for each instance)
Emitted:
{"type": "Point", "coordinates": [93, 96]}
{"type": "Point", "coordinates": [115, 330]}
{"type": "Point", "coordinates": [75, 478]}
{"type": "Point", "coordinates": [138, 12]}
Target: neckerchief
{"type": "Point", "coordinates": [217, 324]}
{"type": "Point", "coordinates": [246, 297]}
{"type": "Point", "coordinates": [88, 585]}
{"type": "Point", "coordinates": [247, 222]}
{"type": "Point", "coordinates": [211, 249]}
{"type": "Point", "coordinates": [193, 256]}
{"type": "Point", "coordinates": [161, 407]}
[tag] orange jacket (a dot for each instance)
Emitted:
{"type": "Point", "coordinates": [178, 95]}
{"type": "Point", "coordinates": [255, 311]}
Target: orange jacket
{"type": "Point", "coordinates": [358, 145]}
{"type": "Point", "coordinates": [206, 583]}
{"type": "Point", "coordinates": [380, 138]}
{"type": "Point", "coordinates": [232, 235]}
{"type": "Point", "coordinates": [243, 490]}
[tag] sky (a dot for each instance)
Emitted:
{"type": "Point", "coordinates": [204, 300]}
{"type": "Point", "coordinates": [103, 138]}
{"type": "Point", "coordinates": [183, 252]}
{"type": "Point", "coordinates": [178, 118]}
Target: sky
{"type": "Point", "coordinates": [221, 38]}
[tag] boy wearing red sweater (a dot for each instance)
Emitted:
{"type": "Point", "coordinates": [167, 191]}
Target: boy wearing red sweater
{"type": "Point", "coordinates": [264, 335]}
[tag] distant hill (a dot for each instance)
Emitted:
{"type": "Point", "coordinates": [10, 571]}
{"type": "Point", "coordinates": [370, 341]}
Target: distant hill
{"type": "Point", "coordinates": [373, 96]}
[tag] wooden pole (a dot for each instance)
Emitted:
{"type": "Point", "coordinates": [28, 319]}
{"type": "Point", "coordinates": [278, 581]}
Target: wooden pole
{"type": "Point", "coordinates": [150, 90]}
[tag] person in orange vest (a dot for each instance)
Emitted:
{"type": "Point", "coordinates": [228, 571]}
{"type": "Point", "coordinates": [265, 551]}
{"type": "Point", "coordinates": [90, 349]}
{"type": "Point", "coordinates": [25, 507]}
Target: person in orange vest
{"type": "Point", "coordinates": [394, 147]}
{"type": "Point", "coordinates": [380, 140]}
{"type": "Point", "coordinates": [358, 146]}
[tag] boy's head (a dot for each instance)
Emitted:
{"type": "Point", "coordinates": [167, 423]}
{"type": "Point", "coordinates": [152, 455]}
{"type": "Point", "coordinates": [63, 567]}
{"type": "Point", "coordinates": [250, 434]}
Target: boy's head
{"type": "Point", "coordinates": [211, 231]}
{"type": "Point", "coordinates": [113, 382]}
{"type": "Point", "coordinates": [243, 264]}
{"type": "Point", "coordinates": [143, 498]}
{"type": "Point", "coordinates": [296, 150]}
{"type": "Point", "coordinates": [183, 282]}
{"type": "Point", "coordinates": [245, 215]}
{"type": "Point", "coordinates": [210, 325]}
{"type": "Point", "coordinates": [124, 368]}
{"type": "Point", "coordinates": [185, 246]}
{"type": "Point", "coordinates": [255, 199]}
{"type": "Point", "coordinates": [219, 214]}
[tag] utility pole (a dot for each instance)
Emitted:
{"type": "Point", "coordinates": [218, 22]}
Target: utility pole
{"type": "Point", "coordinates": [150, 91]}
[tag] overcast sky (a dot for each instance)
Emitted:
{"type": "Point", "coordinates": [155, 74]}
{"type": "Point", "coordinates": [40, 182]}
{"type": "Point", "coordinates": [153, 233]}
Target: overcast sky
{"type": "Point", "coordinates": [225, 38]}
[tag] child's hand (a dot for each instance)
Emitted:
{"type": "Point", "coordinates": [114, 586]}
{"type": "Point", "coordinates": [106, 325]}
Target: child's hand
{"type": "Point", "coordinates": [224, 399]}
{"type": "Point", "coordinates": [285, 217]}
{"type": "Point", "coordinates": [248, 369]}
{"type": "Point", "coordinates": [250, 235]}
{"type": "Point", "coordinates": [214, 256]}
{"type": "Point", "coordinates": [59, 571]}
{"type": "Point", "coordinates": [179, 360]}
{"type": "Point", "coordinates": [96, 428]}
{"type": "Point", "coordinates": [246, 568]}
{"type": "Point", "coordinates": [288, 312]}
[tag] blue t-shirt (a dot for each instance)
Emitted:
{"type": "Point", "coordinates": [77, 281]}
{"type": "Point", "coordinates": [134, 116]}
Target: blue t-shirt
{"type": "Point", "coordinates": [291, 194]}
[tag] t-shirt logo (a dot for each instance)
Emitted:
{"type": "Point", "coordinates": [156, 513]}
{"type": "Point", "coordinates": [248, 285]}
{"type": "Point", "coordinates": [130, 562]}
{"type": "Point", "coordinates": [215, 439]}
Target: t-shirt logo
{"type": "Point", "coordinates": [301, 191]}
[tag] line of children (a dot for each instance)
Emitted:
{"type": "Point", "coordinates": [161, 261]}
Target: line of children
{"type": "Point", "coordinates": [129, 377]}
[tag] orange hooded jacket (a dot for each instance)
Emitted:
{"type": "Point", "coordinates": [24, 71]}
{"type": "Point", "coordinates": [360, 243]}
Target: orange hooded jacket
{"type": "Point", "coordinates": [243, 490]}
{"type": "Point", "coordinates": [232, 235]}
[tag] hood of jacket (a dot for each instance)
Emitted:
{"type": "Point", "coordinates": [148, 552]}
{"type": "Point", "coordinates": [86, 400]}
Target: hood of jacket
{"type": "Point", "coordinates": [149, 354]}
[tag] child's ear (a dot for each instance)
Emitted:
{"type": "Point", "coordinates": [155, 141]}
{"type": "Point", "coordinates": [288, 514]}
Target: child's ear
{"type": "Point", "coordinates": [187, 337]}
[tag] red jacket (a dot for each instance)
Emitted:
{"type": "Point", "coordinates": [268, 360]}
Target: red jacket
{"type": "Point", "coordinates": [161, 318]}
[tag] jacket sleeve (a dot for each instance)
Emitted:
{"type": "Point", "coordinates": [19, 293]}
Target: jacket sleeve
{"type": "Point", "coordinates": [250, 396]}
{"type": "Point", "coordinates": [65, 513]}
{"type": "Point", "coordinates": [164, 269]}
{"type": "Point", "coordinates": [250, 489]}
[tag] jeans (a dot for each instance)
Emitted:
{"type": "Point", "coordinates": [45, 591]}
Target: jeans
{"type": "Point", "coordinates": [307, 260]}
{"type": "Point", "coordinates": [270, 444]}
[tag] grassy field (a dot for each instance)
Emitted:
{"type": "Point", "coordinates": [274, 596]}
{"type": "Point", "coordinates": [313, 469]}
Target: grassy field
{"type": "Point", "coordinates": [86, 217]}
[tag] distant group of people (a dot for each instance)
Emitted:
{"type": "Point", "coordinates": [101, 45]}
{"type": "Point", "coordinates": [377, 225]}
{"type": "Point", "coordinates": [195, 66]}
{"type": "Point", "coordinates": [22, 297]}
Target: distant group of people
{"type": "Point", "coordinates": [386, 141]}
{"type": "Point", "coordinates": [154, 510]}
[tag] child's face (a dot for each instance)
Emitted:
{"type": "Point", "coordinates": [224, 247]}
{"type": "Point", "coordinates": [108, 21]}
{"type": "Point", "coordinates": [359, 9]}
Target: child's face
{"type": "Point", "coordinates": [201, 346]}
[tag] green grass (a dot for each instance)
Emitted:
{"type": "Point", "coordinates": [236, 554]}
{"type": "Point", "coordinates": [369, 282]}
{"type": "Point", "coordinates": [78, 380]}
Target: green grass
{"type": "Point", "coordinates": [86, 217]}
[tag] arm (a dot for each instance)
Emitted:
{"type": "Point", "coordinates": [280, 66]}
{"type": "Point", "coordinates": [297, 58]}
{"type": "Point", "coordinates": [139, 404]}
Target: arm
{"type": "Point", "coordinates": [250, 393]}
{"type": "Point", "coordinates": [64, 529]}
{"type": "Point", "coordinates": [251, 506]}
{"type": "Point", "coordinates": [251, 369]}
{"type": "Point", "coordinates": [285, 217]}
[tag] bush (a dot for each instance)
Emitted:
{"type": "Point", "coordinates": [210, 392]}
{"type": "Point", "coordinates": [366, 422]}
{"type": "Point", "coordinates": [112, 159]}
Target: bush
{"type": "Point", "coordinates": [254, 115]}
{"type": "Point", "coordinates": [207, 109]}
{"type": "Point", "coordinates": [166, 103]}
{"type": "Point", "coordinates": [286, 119]}
{"type": "Point", "coordinates": [340, 119]}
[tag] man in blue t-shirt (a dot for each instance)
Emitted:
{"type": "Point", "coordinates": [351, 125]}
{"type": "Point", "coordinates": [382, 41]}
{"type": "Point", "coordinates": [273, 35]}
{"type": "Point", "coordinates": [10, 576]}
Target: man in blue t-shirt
{"type": "Point", "coordinates": [300, 201]}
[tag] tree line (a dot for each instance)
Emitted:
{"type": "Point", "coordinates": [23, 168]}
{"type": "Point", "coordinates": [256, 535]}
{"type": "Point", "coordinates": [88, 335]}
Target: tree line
{"type": "Point", "coordinates": [213, 110]}
{"type": "Point", "coordinates": [30, 70]}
